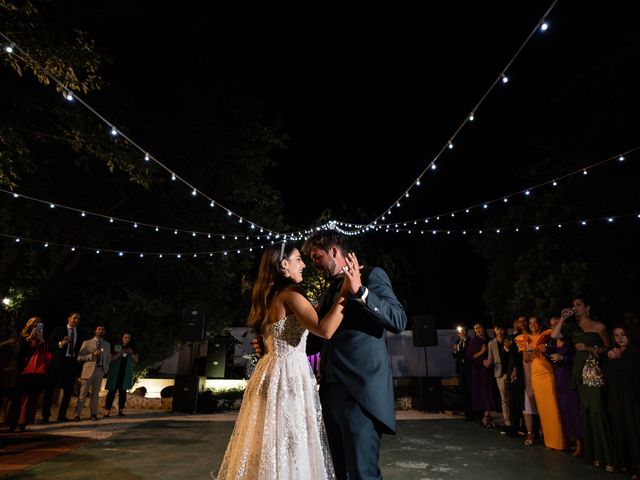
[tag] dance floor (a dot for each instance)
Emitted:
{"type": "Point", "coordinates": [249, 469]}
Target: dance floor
{"type": "Point", "coordinates": [165, 446]}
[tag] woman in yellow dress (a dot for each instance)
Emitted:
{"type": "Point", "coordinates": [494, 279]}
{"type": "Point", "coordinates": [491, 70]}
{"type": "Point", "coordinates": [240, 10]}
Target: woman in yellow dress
{"type": "Point", "coordinates": [544, 386]}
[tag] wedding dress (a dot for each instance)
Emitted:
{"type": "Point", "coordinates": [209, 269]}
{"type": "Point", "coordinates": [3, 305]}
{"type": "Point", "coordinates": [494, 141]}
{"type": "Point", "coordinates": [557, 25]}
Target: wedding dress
{"type": "Point", "coordinates": [279, 433]}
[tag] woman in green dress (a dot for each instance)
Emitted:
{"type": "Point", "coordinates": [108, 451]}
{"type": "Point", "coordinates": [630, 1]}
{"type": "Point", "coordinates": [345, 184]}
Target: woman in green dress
{"type": "Point", "coordinates": [587, 336]}
{"type": "Point", "coordinates": [120, 379]}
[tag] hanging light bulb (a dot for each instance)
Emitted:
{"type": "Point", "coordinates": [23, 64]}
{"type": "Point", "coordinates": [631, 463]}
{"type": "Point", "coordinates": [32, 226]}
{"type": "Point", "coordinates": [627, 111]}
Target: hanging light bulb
{"type": "Point", "coordinates": [114, 132]}
{"type": "Point", "coordinates": [146, 157]}
{"type": "Point", "coordinates": [505, 79]}
{"type": "Point", "coordinates": [543, 26]}
{"type": "Point", "coordinates": [472, 117]}
{"type": "Point", "coordinates": [9, 48]}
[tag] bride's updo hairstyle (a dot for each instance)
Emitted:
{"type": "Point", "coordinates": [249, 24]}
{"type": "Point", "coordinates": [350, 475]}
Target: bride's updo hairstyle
{"type": "Point", "coordinates": [270, 281]}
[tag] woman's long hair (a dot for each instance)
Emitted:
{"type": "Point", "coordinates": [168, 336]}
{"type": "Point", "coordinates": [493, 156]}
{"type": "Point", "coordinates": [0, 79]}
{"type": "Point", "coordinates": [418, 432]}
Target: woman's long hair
{"type": "Point", "coordinates": [269, 282]}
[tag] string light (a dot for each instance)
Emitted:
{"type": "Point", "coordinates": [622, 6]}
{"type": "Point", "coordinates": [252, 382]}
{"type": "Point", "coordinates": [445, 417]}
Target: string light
{"type": "Point", "coordinates": [114, 131]}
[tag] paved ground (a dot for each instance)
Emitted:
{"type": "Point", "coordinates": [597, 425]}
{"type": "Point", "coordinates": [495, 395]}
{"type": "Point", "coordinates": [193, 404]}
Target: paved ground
{"type": "Point", "coordinates": [159, 445]}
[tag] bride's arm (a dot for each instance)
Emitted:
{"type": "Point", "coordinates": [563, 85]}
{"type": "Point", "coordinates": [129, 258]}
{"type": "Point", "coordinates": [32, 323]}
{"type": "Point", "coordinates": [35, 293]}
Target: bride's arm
{"type": "Point", "coordinates": [325, 327]}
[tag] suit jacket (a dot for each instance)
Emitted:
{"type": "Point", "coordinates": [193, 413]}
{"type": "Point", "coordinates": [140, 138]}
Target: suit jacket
{"type": "Point", "coordinates": [58, 353]}
{"type": "Point", "coordinates": [462, 366]}
{"type": "Point", "coordinates": [356, 355]}
{"type": "Point", "coordinates": [86, 355]}
{"type": "Point", "coordinates": [495, 360]}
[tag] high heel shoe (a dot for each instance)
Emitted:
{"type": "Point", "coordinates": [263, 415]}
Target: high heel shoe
{"type": "Point", "coordinates": [529, 439]}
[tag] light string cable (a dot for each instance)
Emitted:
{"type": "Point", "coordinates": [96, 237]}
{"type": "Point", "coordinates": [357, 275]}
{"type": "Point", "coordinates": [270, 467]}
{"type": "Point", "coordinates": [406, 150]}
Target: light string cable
{"type": "Point", "coordinates": [609, 220]}
{"type": "Point", "coordinates": [140, 254]}
{"type": "Point", "coordinates": [11, 48]}
{"type": "Point", "coordinates": [527, 192]}
{"type": "Point", "coordinates": [137, 224]}
{"type": "Point", "coordinates": [540, 25]}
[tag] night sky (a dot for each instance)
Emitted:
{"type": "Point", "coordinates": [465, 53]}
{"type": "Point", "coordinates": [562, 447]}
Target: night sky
{"type": "Point", "coordinates": [387, 86]}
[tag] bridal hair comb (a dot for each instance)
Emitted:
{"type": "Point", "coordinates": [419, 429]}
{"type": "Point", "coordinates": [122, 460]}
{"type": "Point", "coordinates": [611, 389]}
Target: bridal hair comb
{"type": "Point", "coordinates": [282, 251]}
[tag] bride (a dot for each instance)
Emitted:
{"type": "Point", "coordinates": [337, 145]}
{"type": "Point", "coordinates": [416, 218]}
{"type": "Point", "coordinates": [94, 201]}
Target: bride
{"type": "Point", "coordinates": [279, 432]}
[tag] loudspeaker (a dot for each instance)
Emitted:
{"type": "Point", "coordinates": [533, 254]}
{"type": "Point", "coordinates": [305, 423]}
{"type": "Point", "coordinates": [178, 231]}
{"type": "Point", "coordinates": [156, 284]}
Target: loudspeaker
{"type": "Point", "coordinates": [430, 394]}
{"type": "Point", "coordinates": [185, 393]}
{"type": "Point", "coordinates": [424, 331]}
{"type": "Point", "coordinates": [218, 357]}
{"type": "Point", "coordinates": [193, 325]}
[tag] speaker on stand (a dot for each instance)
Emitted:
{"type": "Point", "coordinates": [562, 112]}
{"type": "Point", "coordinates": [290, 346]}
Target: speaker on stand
{"type": "Point", "coordinates": [429, 389]}
{"type": "Point", "coordinates": [193, 325]}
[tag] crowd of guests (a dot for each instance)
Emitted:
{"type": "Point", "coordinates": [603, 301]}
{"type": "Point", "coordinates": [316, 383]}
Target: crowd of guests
{"type": "Point", "coordinates": [34, 365]}
{"type": "Point", "coordinates": [573, 384]}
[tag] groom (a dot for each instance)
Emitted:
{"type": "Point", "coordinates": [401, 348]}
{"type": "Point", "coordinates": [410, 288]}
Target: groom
{"type": "Point", "coordinates": [356, 386]}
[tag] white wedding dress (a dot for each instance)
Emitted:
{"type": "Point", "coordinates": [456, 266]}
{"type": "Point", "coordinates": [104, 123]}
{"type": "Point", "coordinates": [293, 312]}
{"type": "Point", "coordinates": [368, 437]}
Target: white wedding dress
{"type": "Point", "coordinates": [279, 433]}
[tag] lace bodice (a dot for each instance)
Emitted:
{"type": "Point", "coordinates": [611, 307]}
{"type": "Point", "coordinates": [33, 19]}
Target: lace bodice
{"type": "Point", "coordinates": [285, 337]}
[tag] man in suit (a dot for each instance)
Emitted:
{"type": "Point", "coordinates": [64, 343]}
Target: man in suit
{"type": "Point", "coordinates": [356, 386]}
{"type": "Point", "coordinates": [63, 343]}
{"type": "Point", "coordinates": [96, 355]}
{"type": "Point", "coordinates": [515, 370]}
{"type": "Point", "coordinates": [463, 369]}
{"type": "Point", "coordinates": [499, 358]}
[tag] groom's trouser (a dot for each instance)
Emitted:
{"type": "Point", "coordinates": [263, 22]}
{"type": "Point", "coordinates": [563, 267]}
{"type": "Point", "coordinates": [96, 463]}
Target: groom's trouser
{"type": "Point", "coordinates": [354, 440]}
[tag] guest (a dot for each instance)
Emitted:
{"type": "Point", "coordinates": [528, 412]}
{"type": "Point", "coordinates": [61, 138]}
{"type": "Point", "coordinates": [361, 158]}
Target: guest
{"type": "Point", "coordinates": [515, 371]}
{"type": "Point", "coordinates": [561, 354]}
{"type": "Point", "coordinates": [530, 409]}
{"type": "Point", "coordinates": [481, 376]}
{"type": "Point", "coordinates": [544, 386]}
{"type": "Point", "coordinates": [499, 358]}
{"type": "Point", "coordinates": [622, 372]}
{"type": "Point", "coordinates": [96, 355]}
{"type": "Point", "coordinates": [33, 363]}
{"type": "Point", "coordinates": [9, 348]}
{"type": "Point", "coordinates": [588, 335]}
{"type": "Point", "coordinates": [632, 327]}
{"type": "Point", "coordinates": [463, 369]}
{"type": "Point", "coordinates": [120, 377]}
{"type": "Point", "coordinates": [63, 343]}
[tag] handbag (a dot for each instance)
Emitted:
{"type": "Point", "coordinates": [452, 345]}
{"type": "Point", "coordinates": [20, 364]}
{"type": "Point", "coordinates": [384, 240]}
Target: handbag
{"type": "Point", "coordinates": [591, 373]}
{"type": "Point", "coordinates": [39, 361]}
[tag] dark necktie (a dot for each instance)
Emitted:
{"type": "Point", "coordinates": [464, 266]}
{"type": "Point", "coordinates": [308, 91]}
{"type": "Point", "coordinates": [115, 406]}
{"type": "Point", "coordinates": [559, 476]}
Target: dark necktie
{"type": "Point", "coordinates": [99, 358]}
{"type": "Point", "coordinates": [70, 344]}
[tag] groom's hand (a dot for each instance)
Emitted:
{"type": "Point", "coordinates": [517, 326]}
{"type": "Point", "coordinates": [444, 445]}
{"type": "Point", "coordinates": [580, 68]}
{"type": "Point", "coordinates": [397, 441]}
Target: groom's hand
{"type": "Point", "coordinates": [258, 346]}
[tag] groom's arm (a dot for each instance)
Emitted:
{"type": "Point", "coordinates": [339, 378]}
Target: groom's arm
{"type": "Point", "coordinates": [381, 304]}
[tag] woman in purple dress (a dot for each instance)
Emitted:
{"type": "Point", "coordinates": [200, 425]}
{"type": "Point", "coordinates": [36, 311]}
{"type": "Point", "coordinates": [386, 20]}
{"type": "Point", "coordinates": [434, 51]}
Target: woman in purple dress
{"type": "Point", "coordinates": [561, 354]}
{"type": "Point", "coordinates": [481, 376]}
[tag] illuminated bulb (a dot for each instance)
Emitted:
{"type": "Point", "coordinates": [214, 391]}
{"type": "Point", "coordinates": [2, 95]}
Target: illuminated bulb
{"type": "Point", "coordinates": [73, 249]}
{"type": "Point", "coordinates": [498, 230]}
{"type": "Point", "coordinates": [505, 79]}
{"type": "Point", "coordinates": [485, 206]}
{"type": "Point", "coordinates": [240, 220]}
{"type": "Point", "coordinates": [621, 158]}
{"type": "Point", "coordinates": [114, 132]}
{"type": "Point", "coordinates": [46, 244]}
{"type": "Point", "coordinates": [555, 184]}
{"type": "Point", "coordinates": [610, 219]}
{"type": "Point", "coordinates": [97, 252]}
{"type": "Point", "coordinates": [157, 229]}
{"type": "Point", "coordinates": [15, 195]}
{"type": "Point", "coordinates": [175, 232]}
{"type": "Point", "coordinates": [406, 195]}
{"type": "Point", "coordinates": [193, 234]}
{"type": "Point", "coordinates": [135, 225]}
{"type": "Point", "coordinates": [17, 240]}
{"type": "Point", "coordinates": [229, 213]}
{"type": "Point", "coordinates": [160, 256]}
{"type": "Point", "coordinates": [472, 117]}
{"type": "Point", "coordinates": [398, 204]}
{"type": "Point", "coordinates": [173, 176]}
{"type": "Point", "coordinates": [537, 228]}
{"type": "Point", "coordinates": [433, 167]}
{"type": "Point", "coordinates": [209, 236]}
{"type": "Point", "coordinates": [544, 26]}
{"type": "Point", "coordinates": [223, 237]}
{"type": "Point", "coordinates": [120, 254]}
{"type": "Point", "coordinates": [212, 204]}
{"type": "Point", "coordinates": [505, 200]}
{"type": "Point", "coordinates": [450, 145]}
{"type": "Point", "coordinates": [467, 210]}
{"type": "Point", "coordinates": [559, 225]}
{"type": "Point", "coordinates": [146, 157]}
{"type": "Point", "coordinates": [527, 192]}
{"type": "Point", "coordinates": [453, 214]}
{"type": "Point", "coordinates": [141, 255]}
{"type": "Point", "coordinates": [83, 214]}
{"type": "Point", "coordinates": [51, 205]}
{"type": "Point", "coordinates": [179, 256]}
{"type": "Point", "coordinates": [433, 231]}
{"type": "Point", "coordinates": [584, 172]}
{"type": "Point", "coordinates": [69, 96]}
{"type": "Point", "coordinates": [583, 222]}
{"type": "Point", "coordinates": [225, 253]}
{"type": "Point", "coordinates": [9, 48]}
{"type": "Point", "coordinates": [111, 220]}
{"type": "Point", "coordinates": [464, 232]}
{"type": "Point", "coordinates": [418, 182]}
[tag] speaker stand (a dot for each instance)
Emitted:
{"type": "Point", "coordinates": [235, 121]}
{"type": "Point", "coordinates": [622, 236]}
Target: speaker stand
{"type": "Point", "coordinates": [420, 385]}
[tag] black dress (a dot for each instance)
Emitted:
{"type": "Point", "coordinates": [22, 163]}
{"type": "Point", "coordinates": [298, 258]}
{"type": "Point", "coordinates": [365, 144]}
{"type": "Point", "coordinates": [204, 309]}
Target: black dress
{"type": "Point", "coordinates": [623, 381]}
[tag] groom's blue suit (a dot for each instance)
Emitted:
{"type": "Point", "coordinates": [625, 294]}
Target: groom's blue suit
{"type": "Point", "coordinates": [356, 385]}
